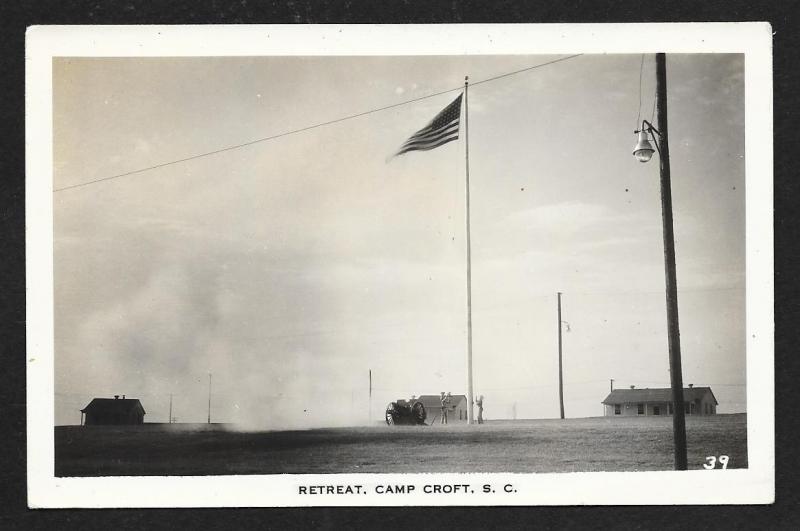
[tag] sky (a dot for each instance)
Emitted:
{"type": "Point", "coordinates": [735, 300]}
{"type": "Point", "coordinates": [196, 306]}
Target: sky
{"type": "Point", "coordinates": [290, 268]}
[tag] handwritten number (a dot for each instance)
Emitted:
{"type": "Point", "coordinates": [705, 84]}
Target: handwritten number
{"type": "Point", "coordinates": [712, 462]}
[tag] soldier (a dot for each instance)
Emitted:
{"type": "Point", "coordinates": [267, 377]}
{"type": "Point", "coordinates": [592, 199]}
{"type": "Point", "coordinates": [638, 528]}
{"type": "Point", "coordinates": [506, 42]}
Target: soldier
{"type": "Point", "coordinates": [479, 403]}
{"type": "Point", "coordinates": [445, 400]}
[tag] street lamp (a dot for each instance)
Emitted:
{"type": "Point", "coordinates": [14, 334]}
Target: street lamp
{"type": "Point", "coordinates": [643, 152]}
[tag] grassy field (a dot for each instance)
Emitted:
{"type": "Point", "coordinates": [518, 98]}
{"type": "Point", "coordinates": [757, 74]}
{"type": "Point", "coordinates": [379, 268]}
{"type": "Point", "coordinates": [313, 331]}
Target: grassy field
{"type": "Point", "coordinates": [572, 445]}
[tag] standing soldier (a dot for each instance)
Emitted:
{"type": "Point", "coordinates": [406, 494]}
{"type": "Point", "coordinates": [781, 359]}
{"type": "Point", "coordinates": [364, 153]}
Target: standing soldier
{"type": "Point", "coordinates": [445, 400]}
{"type": "Point", "coordinates": [479, 403]}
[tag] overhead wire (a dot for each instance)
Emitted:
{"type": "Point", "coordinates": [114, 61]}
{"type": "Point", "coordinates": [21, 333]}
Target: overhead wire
{"type": "Point", "coordinates": [653, 111]}
{"type": "Point", "coordinates": [310, 127]}
{"type": "Point", "coordinates": [639, 110]}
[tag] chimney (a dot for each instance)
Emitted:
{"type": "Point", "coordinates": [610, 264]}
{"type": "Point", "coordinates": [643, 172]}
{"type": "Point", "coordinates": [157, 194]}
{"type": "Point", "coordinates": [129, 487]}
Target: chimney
{"type": "Point", "coordinates": [691, 385]}
{"type": "Point", "coordinates": [633, 386]}
{"type": "Point", "coordinates": [116, 397]}
{"type": "Point", "coordinates": [123, 397]}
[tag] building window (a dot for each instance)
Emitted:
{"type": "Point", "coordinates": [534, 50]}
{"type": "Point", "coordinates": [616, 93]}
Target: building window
{"type": "Point", "coordinates": [616, 409]}
{"type": "Point", "coordinates": [686, 408]}
{"type": "Point", "coordinates": [640, 409]}
{"type": "Point", "coordinates": [669, 408]}
{"type": "Point", "coordinates": [656, 410]}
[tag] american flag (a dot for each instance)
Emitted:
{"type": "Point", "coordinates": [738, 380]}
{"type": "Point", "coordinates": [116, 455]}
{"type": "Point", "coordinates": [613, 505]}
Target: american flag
{"type": "Point", "coordinates": [441, 130]}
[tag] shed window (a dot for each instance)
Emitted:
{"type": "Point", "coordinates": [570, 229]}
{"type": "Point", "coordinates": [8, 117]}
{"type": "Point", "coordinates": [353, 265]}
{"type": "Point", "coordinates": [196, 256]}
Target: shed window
{"type": "Point", "coordinates": [616, 409]}
{"type": "Point", "coordinates": [656, 410]}
{"type": "Point", "coordinates": [640, 409]}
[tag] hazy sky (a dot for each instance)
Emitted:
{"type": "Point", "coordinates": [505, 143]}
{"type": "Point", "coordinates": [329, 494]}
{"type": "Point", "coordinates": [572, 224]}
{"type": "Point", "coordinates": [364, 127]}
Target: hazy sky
{"type": "Point", "coordinates": [292, 267]}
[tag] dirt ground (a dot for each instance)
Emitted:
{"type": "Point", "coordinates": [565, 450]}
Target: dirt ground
{"type": "Point", "coordinates": [571, 445]}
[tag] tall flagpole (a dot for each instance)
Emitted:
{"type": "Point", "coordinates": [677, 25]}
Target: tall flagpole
{"type": "Point", "coordinates": [469, 261]}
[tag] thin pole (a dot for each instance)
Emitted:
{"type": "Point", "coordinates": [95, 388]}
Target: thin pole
{"type": "Point", "coordinates": [470, 405]}
{"type": "Point", "coordinates": [673, 335]}
{"type": "Point", "coordinates": [209, 398]}
{"type": "Point", "coordinates": [560, 367]}
{"type": "Point", "coordinates": [612, 384]}
{"type": "Point", "coordinates": [170, 408]}
{"type": "Point", "coordinates": [370, 395]}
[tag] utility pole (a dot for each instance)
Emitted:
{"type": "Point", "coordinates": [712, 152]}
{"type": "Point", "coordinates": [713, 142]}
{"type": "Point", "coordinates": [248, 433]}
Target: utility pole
{"type": "Point", "coordinates": [370, 396]}
{"type": "Point", "coordinates": [170, 408]}
{"type": "Point", "coordinates": [560, 366]}
{"type": "Point", "coordinates": [675, 372]}
{"type": "Point", "coordinates": [209, 398]}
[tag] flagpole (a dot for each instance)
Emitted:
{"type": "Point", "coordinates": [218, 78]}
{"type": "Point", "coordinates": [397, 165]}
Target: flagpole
{"type": "Point", "coordinates": [469, 260]}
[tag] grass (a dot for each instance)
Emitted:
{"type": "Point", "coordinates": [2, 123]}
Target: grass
{"type": "Point", "coordinates": [572, 445]}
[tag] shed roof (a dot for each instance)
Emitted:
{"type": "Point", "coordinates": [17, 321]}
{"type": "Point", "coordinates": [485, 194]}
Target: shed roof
{"type": "Point", "coordinates": [435, 401]}
{"type": "Point", "coordinates": [113, 405]}
{"type": "Point", "coordinates": [623, 396]}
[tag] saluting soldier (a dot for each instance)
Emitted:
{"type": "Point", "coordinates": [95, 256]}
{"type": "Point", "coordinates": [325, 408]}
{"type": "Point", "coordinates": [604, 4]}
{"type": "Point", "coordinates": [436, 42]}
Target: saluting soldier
{"type": "Point", "coordinates": [479, 403]}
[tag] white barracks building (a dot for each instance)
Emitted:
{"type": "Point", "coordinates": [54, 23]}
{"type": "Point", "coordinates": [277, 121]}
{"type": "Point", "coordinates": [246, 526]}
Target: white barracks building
{"type": "Point", "coordinates": [653, 402]}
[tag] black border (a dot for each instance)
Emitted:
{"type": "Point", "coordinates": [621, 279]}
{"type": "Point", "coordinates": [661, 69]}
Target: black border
{"type": "Point", "coordinates": [16, 16]}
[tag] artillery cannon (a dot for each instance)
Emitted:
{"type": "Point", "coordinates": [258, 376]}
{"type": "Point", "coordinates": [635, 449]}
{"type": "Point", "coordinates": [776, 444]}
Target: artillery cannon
{"type": "Point", "coordinates": [405, 412]}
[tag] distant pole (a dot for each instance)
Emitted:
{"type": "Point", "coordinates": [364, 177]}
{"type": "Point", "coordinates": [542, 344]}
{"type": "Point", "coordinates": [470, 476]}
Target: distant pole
{"type": "Point", "coordinates": [470, 403]}
{"type": "Point", "coordinates": [170, 408]}
{"type": "Point", "coordinates": [673, 331]}
{"type": "Point", "coordinates": [560, 367]}
{"type": "Point", "coordinates": [370, 396]}
{"type": "Point", "coordinates": [209, 398]}
{"type": "Point", "coordinates": [612, 384]}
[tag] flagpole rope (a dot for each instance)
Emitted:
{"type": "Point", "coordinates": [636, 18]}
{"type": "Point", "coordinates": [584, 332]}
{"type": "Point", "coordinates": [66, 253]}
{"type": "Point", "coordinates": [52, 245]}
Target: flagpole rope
{"type": "Point", "coordinates": [310, 127]}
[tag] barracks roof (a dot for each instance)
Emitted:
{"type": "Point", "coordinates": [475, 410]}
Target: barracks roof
{"type": "Point", "coordinates": [113, 405]}
{"type": "Point", "coordinates": [435, 401]}
{"type": "Point", "coordinates": [623, 396]}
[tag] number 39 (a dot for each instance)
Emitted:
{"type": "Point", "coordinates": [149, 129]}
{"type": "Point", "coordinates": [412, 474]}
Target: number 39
{"type": "Point", "coordinates": [712, 462]}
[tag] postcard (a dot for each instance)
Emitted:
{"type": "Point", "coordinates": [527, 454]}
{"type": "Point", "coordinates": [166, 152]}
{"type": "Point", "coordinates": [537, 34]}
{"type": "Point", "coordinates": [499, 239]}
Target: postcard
{"type": "Point", "coordinates": [399, 265]}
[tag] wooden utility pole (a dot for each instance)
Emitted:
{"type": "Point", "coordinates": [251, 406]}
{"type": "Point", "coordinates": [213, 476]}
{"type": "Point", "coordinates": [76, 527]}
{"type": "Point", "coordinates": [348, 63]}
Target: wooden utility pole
{"type": "Point", "coordinates": [560, 365]}
{"type": "Point", "coordinates": [209, 398]}
{"type": "Point", "coordinates": [673, 331]}
{"type": "Point", "coordinates": [370, 396]}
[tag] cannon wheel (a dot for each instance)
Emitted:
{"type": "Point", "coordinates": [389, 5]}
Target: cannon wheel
{"type": "Point", "coordinates": [418, 411]}
{"type": "Point", "coordinates": [390, 414]}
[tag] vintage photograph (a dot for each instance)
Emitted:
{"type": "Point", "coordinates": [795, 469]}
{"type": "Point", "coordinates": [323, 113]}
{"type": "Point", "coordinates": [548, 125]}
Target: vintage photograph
{"type": "Point", "coordinates": [298, 264]}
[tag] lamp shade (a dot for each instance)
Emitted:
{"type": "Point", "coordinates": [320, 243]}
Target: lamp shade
{"type": "Point", "coordinates": [644, 149]}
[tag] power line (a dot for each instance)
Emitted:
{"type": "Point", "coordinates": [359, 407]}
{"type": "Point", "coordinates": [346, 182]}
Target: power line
{"type": "Point", "coordinates": [307, 128]}
{"type": "Point", "coordinates": [639, 111]}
